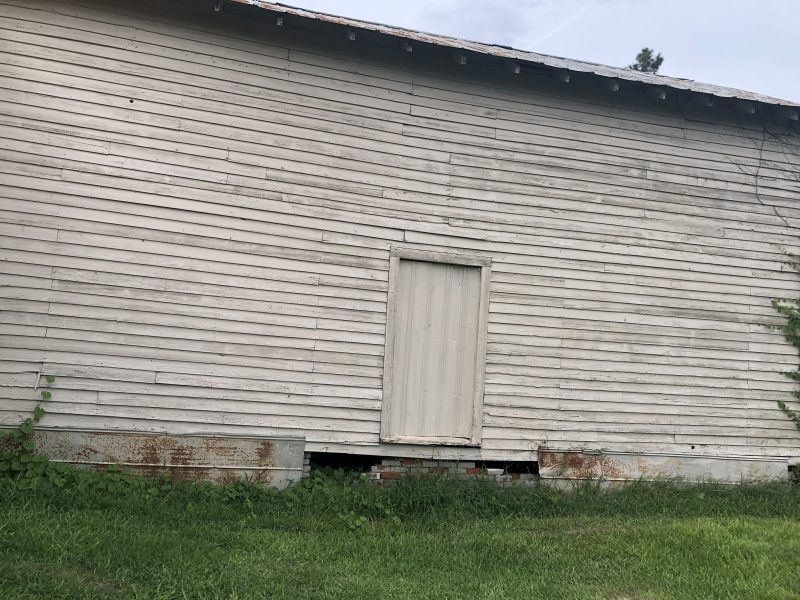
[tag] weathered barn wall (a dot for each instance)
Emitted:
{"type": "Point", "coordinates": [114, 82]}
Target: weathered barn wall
{"type": "Point", "coordinates": [198, 210]}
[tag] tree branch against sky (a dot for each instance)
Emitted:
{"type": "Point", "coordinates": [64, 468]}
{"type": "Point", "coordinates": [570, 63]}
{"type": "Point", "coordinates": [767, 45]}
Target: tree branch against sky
{"type": "Point", "coordinates": [647, 61]}
{"type": "Point", "coordinates": [732, 43]}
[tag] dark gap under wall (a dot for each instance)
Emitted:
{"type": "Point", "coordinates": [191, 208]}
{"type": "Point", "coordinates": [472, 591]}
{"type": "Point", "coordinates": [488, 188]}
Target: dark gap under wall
{"type": "Point", "coordinates": [347, 462]}
{"type": "Point", "coordinates": [382, 467]}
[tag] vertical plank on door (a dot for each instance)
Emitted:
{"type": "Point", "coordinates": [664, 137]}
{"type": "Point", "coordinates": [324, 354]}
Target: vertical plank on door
{"type": "Point", "coordinates": [437, 330]}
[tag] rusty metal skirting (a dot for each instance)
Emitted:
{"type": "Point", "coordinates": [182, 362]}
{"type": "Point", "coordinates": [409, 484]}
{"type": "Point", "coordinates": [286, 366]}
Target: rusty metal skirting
{"type": "Point", "coordinates": [270, 461]}
{"type": "Point", "coordinates": [581, 464]}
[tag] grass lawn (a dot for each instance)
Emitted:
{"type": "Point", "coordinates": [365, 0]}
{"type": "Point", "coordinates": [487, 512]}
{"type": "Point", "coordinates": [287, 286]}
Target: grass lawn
{"type": "Point", "coordinates": [429, 540]}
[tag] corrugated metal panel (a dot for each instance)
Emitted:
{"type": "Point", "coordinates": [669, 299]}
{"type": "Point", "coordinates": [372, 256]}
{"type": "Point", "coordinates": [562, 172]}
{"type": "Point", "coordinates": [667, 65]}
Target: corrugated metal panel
{"type": "Point", "coordinates": [506, 52]}
{"type": "Point", "coordinates": [436, 339]}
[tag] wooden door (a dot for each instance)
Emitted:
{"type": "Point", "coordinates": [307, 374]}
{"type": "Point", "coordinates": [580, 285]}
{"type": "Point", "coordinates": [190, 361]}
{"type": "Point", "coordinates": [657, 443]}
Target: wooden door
{"type": "Point", "coordinates": [433, 388]}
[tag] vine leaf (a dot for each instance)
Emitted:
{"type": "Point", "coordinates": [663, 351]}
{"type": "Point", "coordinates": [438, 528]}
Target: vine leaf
{"type": "Point", "coordinates": [789, 308]}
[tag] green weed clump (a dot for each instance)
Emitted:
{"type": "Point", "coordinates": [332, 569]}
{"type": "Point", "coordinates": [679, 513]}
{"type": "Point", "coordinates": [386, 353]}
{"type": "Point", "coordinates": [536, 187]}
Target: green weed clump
{"type": "Point", "coordinates": [350, 499]}
{"type": "Point", "coordinates": [335, 535]}
{"type": "Point", "coordinates": [67, 532]}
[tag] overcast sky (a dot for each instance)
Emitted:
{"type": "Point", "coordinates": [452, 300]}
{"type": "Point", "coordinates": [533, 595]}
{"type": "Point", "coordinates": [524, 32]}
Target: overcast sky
{"type": "Point", "coordinates": [748, 44]}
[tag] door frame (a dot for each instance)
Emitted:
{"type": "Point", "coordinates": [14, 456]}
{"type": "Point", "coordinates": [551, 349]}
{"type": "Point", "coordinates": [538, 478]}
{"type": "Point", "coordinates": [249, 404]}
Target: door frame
{"type": "Point", "coordinates": [396, 254]}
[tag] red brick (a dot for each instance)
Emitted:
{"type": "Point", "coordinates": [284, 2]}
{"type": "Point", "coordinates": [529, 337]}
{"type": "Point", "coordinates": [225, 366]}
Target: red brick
{"type": "Point", "coordinates": [475, 471]}
{"type": "Point", "coordinates": [390, 475]}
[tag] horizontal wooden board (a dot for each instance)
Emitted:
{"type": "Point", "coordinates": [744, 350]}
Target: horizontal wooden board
{"type": "Point", "coordinates": [197, 214]}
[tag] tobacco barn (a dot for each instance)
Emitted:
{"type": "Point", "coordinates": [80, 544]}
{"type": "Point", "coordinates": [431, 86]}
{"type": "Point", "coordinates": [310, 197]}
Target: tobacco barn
{"type": "Point", "coordinates": [255, 231]}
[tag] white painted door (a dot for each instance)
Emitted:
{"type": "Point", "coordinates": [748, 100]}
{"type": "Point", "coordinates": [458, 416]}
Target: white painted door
{"type": "Point", "coordinates": [433, 384]}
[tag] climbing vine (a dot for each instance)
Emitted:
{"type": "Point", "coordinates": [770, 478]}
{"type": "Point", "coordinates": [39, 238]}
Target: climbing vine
{"type": "Point", "coordinates": [20, 463]}
{"type": "Point", "coordinates": [18, 457]}
{"type": "Point", "coordinates": [789, 308]}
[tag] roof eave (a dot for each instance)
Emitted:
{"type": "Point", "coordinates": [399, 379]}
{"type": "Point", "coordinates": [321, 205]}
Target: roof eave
{"type": "Point", "coordinates": [785, 108]}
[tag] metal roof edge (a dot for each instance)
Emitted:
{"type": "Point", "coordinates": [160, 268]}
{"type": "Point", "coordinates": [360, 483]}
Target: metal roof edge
{"type": "Point", "coordinates": [524, 56]}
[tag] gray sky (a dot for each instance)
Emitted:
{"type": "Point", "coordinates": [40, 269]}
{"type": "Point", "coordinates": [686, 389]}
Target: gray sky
{"type": "Point", "coordinates": [748, 44]}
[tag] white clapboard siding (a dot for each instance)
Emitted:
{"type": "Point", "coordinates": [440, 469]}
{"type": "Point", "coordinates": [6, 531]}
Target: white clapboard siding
{"type": "Point", "coordinates": [197, 212]}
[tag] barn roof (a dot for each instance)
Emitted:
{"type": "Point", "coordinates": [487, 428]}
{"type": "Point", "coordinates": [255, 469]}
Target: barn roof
{"type": "Point", "coordinates": [564, 65]}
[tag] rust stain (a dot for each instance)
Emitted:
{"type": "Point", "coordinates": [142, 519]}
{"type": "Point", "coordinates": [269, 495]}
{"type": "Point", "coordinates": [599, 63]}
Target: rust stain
{"type": "Point", "coordinates": [181, 454]}
{"type": "Point", "coordinates": [149, 452]}
{"type": "Point", "coordinates": [177, 474]}
{"type": "Point", "coordinates": [576, 464]}
{"type": "Point", "coordinates": [265, 452]}
{"type": "Point", "coordinates": [180, 457]}
{"type": "Point", "coordinates": [219, 447]}
{"type": "Point", "coordinates": [612, 469]}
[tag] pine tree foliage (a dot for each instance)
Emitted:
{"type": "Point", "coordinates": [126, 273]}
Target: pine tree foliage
{"type": "Point", "coordinates": [647, 61]}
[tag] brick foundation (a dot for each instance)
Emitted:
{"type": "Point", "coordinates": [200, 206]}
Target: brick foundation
{"type": "Point", "coordinates": [394, 468]}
